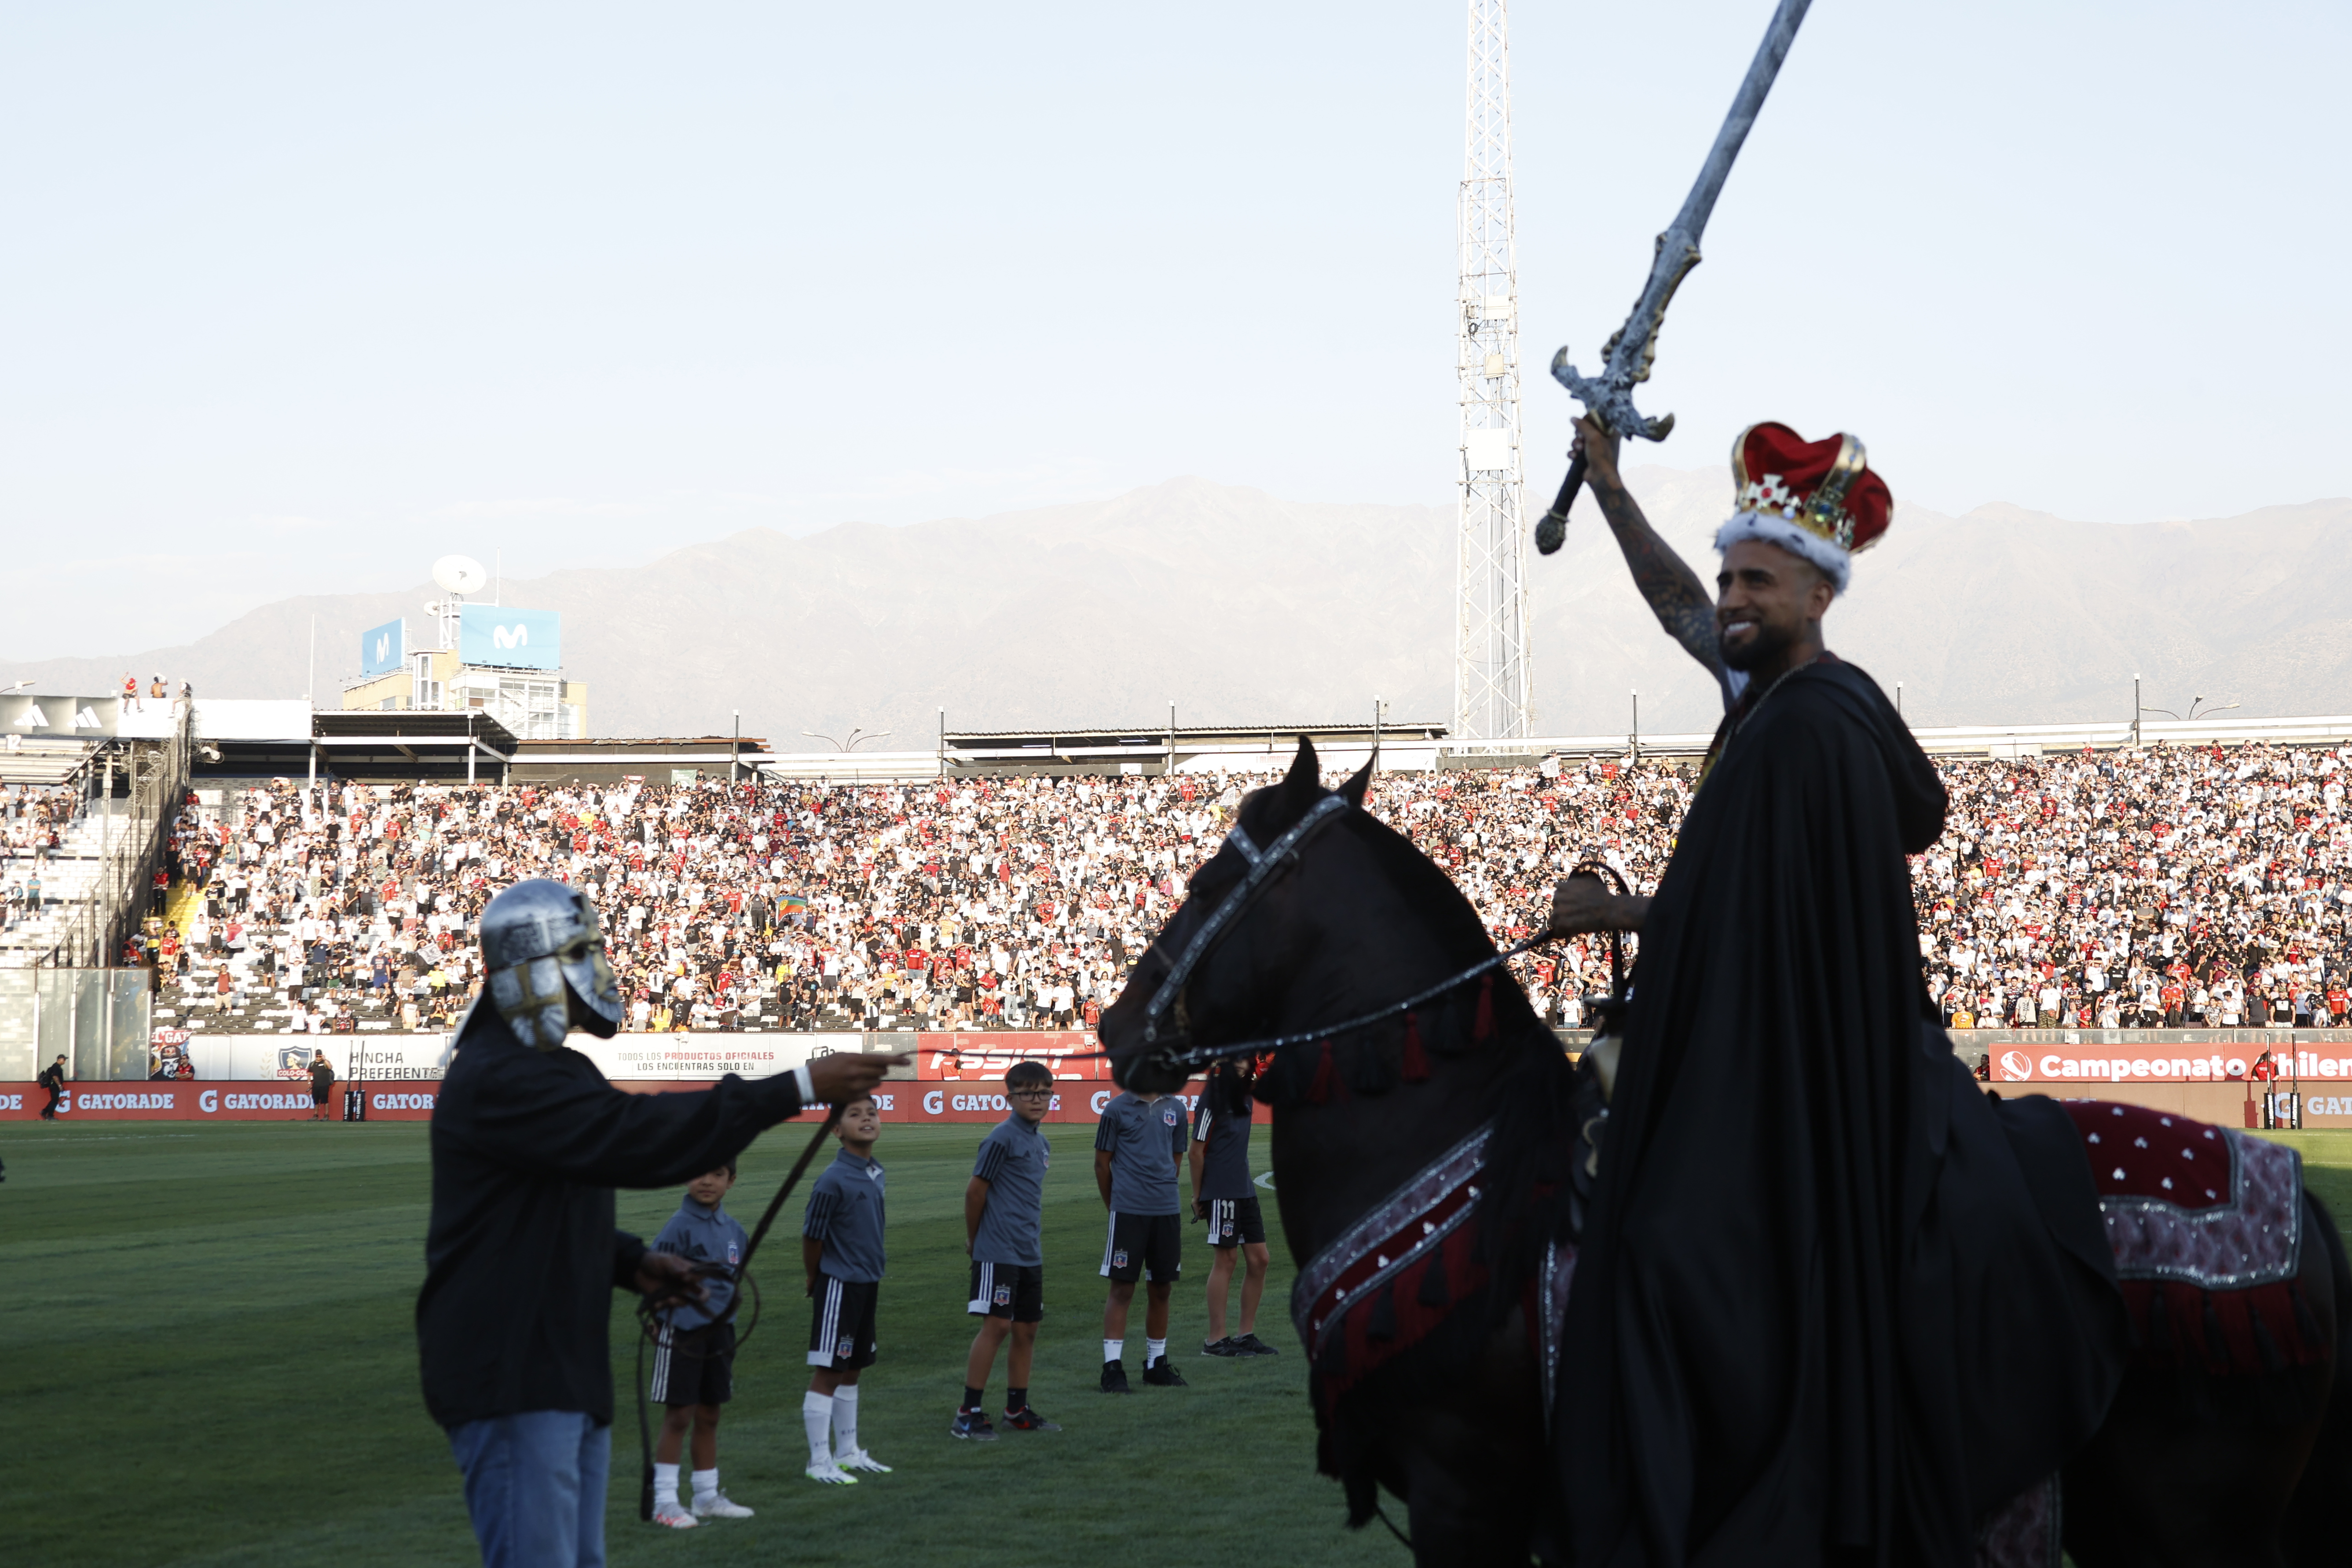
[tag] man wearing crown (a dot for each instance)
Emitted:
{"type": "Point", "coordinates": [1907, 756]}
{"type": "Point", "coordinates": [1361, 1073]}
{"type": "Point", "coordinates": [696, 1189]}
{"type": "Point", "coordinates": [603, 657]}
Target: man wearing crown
{"type": "Point", "coordinates": [1832, 1304]}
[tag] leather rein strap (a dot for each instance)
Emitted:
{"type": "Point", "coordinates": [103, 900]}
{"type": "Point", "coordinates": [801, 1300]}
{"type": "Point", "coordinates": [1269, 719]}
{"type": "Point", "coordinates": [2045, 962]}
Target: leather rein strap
{"type": "Point", "coordinates": [1265, 865]}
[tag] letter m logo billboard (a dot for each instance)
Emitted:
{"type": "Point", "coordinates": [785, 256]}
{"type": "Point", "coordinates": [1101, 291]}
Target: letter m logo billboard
{"type": "Point", "coordinates": [509, 638]}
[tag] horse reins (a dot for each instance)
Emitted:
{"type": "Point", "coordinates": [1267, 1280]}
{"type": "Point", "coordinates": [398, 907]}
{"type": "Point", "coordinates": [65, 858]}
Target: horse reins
{"type": "Point", "coordinates": [1265, 865]}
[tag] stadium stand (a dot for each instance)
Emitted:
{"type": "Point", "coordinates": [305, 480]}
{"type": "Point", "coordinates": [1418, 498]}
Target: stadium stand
{"type": "Point", "coordinates": [52, 849]}
{"type": "Point", "coordinates": [2167, 887]}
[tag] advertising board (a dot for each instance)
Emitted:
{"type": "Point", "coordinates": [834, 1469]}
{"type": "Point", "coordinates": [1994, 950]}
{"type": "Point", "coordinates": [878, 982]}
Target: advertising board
{"type": "Point", "coordinates": [977, 1056]}
{"type": "Point", "coordinates": [71, 717]}
{"type": "Point", "coordinates": [502, 636]}
{"type": "Point", "coordinates": [251, 1058]}
{"type": "Point", "coordinates": [705, 1058]}
{"type": "Point", "coordinates": [382, 648]}
{"type": "Point", "coordinates": [266, 1099]}
{"type": "Point", "coordinates": [2207, 1081]}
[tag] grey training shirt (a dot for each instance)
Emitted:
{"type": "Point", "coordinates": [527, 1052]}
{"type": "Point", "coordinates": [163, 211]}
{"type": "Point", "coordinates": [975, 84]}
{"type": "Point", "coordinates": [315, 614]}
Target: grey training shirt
{"type": "Point", "coordinates": [1013, 1161]}
{"type": "Point", "coordinates": [1224, 1162]}
{"type": "Point", "coordinates": [705, 1235]}
{"type": "Point", "coordinates": [845, 1213]}
{"type": "Point", "coordinates": [1145, 1141]}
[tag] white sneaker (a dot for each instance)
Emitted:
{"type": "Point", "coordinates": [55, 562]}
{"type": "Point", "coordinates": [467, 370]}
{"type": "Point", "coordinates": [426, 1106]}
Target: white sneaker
{"type": "Point", "coordinates": [718, 1505]}
{"type": "Point", "coordinates": [831, 1475]}
{"type": "Point", "coordinates": [859, 1459]}
{"type": "Point", "coordinates": [673, 1517]}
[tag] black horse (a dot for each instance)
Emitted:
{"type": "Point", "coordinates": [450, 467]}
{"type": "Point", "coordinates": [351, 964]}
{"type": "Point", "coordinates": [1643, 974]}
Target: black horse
{"type": "Point", "coordinates": [1429, 1163]}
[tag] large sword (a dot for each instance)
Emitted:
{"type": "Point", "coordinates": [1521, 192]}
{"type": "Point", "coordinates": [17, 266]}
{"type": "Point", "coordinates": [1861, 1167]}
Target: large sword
{"type": "Point", "coordinates": [1609, 396]}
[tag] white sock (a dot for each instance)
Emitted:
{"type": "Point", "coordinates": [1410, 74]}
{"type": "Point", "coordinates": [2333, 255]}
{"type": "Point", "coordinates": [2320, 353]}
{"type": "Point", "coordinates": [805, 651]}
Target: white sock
{"type": "Point", "coordinates": [1111, 1349]}
{"type": "Point", "coordinates": [1154, 1349]}
{"type": "Point", "coordinates": [665, 1485]}
{"type": "Point", "coordinates": [845, 1419]}
{"type": "Point", "coordinates": [817, 1415]}
{"type": "Point", "coordinates": [706, 1484]}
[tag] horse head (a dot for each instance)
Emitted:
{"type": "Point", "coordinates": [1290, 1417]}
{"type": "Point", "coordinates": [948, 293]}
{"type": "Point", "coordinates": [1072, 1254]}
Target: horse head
{"type": "Point", "coordinates": [1313, 914]}
{"type": "Point", "coordinates": [1259, 926]}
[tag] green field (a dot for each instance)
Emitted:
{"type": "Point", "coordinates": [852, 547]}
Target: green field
{"type": "Point", "coordinates": [205, 1336]}
{"type": "Point", "coordinates": [208, 1357]}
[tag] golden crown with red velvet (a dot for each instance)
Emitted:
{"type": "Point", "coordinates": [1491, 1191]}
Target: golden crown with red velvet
{"type": "Point", "coordinates": [1817, 499]}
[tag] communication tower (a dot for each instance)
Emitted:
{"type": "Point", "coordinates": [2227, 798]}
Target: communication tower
{"type": "Point", "coordinates": [1492, 690]}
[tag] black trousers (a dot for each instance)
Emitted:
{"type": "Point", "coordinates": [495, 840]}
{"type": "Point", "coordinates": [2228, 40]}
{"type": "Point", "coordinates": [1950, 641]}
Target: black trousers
{"type": "Point", "coordinates": [49, 1111]}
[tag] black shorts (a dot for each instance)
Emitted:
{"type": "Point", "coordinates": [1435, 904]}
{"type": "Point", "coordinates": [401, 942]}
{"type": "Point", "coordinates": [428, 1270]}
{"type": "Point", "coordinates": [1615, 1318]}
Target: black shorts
{"type": "Point", "coordinates": [1135, 1243]}
{"type": "Point", "coordinates": [1235, 1222]}
{"type": "Point", "coordinates": [694, 1366]}
{"type": "Point", "coordinates": [841, 1328]}
{"type": "Point", "coordinates": [1015, 1290]}
{"type": "Point", "coordinates": [318, 1095]}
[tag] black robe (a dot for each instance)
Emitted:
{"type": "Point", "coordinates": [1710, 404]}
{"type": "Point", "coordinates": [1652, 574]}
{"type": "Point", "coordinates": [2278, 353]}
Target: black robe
{"type": "Point", "coordinates": [1831, 1299]}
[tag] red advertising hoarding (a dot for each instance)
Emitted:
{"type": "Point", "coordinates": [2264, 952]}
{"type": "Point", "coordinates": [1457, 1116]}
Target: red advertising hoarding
{"type": "Point", "coordinates": [917, 1103]}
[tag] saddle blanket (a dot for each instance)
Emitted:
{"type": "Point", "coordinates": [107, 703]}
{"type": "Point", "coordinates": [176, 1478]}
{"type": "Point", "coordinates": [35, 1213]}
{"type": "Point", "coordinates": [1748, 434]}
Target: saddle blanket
{"type": "Point", "coordinates": [2207, 1227]}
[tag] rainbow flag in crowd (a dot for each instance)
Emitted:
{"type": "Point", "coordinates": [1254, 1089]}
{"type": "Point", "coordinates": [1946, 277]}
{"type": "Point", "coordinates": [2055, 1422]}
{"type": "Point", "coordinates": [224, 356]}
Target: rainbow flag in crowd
{"type": "Point", "coordinates": [791, 904]}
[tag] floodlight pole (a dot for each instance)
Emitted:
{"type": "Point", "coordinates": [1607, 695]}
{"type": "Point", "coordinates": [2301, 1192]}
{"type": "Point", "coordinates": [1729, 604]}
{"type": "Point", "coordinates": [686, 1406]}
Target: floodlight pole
{"type": "Point", "coordinates": [943, 742]}
{"type": "Point", "coordinates": [1376, 733]}
{"type": "Point", "coordinates": [735, 744]}
{"type": "Point", "coordinates": [1635, 738]}
{"type": "Point", "coordinates": [2136, 710]}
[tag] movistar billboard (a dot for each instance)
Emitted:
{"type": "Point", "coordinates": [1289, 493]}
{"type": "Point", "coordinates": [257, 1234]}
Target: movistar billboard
{"type": "Point", "coordinates": [382, 648]}
{"type": "Point", "coordinates": [518, 639]}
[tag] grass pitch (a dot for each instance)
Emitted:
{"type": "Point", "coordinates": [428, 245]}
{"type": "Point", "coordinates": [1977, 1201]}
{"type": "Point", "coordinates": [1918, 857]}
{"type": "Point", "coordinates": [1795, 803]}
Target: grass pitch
{"type": "Point", "coordinates": [206, 1357]}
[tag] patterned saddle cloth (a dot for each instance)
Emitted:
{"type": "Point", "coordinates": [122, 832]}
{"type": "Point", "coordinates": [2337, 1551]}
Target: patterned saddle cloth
{"type": "Point", "coordinates": [2207, 1227]}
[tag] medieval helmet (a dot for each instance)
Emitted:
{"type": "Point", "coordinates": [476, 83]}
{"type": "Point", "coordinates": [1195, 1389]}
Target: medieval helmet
{"type": "Point", "coordinates": [545, 955]}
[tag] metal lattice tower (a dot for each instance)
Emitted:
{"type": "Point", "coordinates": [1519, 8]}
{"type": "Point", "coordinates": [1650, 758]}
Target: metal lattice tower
{"type": "Point", "coordinates": [1492, 693]}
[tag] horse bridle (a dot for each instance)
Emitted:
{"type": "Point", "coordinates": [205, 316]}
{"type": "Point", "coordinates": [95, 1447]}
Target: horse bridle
{"type": "Point", "coordinates": [1265, 865]}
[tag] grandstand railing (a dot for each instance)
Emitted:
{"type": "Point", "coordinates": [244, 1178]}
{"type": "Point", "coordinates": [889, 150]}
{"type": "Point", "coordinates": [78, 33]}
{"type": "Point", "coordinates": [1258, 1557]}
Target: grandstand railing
{"type": "Point", "coordinates": [2273, 1039]}
{"type": "Point", "coordinates": [136, 838]}
{"type": "Point", "coordinates": [1413, 754]}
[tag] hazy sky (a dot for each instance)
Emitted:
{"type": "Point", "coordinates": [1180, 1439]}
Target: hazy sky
{"type": "Point", "coordinates": [296, 298]}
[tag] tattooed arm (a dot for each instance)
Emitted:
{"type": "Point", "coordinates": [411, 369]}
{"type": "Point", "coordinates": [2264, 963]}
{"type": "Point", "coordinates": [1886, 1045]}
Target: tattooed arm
{"type": "Point", "coordinates": [1676, 596]}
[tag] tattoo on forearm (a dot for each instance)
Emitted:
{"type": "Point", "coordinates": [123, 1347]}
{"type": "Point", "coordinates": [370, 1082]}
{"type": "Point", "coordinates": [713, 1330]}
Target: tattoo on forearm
{"type": "Point", "coordinates": [1675, 593]}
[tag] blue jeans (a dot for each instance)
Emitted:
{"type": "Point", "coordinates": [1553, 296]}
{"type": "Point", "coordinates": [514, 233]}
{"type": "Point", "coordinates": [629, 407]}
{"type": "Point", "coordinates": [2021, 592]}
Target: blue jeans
{"type": "Point", "coordinates": [535, 1488]}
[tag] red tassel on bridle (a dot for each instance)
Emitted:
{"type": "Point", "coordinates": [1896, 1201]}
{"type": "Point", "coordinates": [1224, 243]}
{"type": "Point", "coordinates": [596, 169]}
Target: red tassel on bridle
{"type": "Point", "coordinates": [1484, 1023]}
{"type": "Point", "coordinates": [1416, 1060]}
{"type": "Point", "coordinates": [1327, 1078]}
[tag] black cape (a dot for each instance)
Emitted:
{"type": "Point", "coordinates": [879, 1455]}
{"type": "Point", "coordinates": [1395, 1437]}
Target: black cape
{"type": "Point", "coordinates": [521, 1256]}
{"type": "Point", "coordinates": [1831, 1299]}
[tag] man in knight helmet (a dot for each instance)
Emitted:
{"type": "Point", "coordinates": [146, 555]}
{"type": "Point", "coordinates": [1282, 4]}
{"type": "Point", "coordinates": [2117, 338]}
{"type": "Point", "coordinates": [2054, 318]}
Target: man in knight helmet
{"type": "Point", "coordinates": [521, 1253]}
{"type": "Point", "coordinates": [1832, 1303]}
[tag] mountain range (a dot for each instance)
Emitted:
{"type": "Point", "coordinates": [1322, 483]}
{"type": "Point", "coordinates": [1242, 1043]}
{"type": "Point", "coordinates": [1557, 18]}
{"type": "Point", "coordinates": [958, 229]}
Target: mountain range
{"type": "Point", "coordinates": [1241, 607]}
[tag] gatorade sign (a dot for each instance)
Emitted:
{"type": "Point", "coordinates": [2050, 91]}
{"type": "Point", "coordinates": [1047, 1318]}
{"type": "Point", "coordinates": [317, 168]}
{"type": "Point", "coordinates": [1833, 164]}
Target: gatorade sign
{"type": "Point", "coordinates": [261, 1099]}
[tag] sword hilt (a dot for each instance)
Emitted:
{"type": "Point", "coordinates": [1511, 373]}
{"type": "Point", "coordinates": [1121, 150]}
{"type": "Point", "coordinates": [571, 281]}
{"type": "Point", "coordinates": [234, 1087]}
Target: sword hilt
{"type": "Point", "coordinates": [1551, 532]}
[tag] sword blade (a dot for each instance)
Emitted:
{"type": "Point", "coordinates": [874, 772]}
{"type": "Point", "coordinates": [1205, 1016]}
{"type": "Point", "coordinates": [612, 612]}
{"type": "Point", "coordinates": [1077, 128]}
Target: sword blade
{"type": "Point", "coordinates": [1700, 205]}
{"type": "Point", "coordinates": [1609, 398]}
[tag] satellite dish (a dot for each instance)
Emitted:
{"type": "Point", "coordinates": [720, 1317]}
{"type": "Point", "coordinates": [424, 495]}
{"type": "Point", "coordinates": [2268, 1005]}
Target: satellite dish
{"type": "Point", "coordinates": [459, 575]}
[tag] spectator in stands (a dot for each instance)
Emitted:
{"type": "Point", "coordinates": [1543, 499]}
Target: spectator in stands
{"type": "Point", "coordinates": [2066, 888]}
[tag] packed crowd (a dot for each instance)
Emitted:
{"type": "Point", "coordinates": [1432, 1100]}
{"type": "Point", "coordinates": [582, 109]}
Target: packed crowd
{"type": "Point", "coordinates": [2162, 888]}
